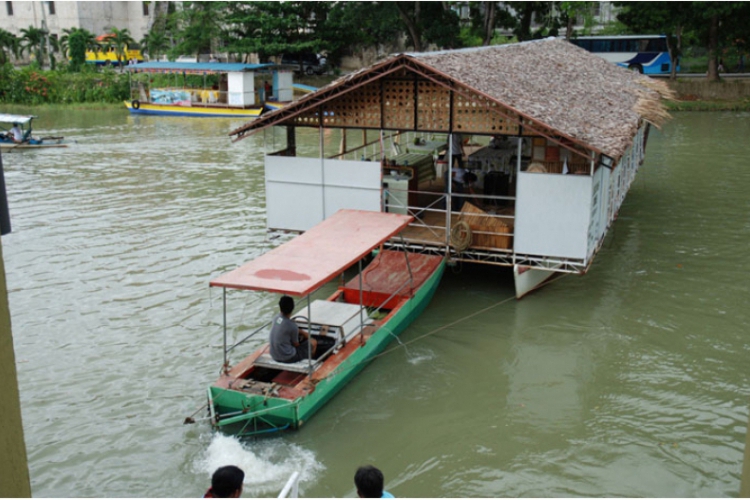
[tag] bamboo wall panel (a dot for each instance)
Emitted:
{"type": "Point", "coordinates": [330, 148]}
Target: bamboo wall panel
{"type": "Point", "coordinates": [433, 107]}
{"type": "Point", "coordinates": [398, 104]}
{"type": "Point", "coordinates": [480, 115]}
{"type": "Point", "coordinates": [359, 108]}
{"type": "Point", "coordinates": [405, 100]}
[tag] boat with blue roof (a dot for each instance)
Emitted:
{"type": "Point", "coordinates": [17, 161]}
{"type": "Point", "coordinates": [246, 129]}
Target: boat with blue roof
{"type": "Point", "coordinates": [212, 89]}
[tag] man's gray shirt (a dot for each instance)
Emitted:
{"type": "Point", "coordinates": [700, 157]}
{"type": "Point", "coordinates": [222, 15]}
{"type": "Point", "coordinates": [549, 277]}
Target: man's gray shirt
{"type": "Point", "coordinates": [284, 332]}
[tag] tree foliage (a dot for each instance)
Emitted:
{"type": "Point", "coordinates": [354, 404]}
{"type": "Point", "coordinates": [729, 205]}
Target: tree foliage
{"type": "Point", "coordinates": [33, 42]}
{"type": "Point", "coordinates": [10, 44]}
{"type": "Point", "coordinates": [197, 26]}
{"type": "Point", "coordinates": [275, 28]}
{"type": "Point", "coordinates": [77, 42]}
{"type": "Point", "coordinates": [713, 24]}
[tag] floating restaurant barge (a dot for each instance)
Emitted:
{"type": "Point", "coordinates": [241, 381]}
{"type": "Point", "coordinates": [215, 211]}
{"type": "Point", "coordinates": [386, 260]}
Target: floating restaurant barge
{"type": "Point", "coordinates": [552, 135]}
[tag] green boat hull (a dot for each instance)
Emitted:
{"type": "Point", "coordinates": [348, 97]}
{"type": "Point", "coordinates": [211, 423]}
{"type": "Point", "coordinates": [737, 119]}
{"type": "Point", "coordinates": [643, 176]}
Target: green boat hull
{"type": "Point", "coordinates": [255, 414]}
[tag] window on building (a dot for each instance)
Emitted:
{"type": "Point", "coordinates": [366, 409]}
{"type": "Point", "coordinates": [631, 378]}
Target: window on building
{"type": "Point", "coordinates": [51, 6]}
{"type": "Point", "coordinates": [9, 8]}
{"type": "Point", "coordinates": [145, 8]}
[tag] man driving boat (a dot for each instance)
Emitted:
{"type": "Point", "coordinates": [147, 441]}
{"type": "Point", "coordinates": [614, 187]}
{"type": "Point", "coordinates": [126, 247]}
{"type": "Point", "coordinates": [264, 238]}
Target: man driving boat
{"type": "Point", "coordinates": [285, 336]}
{"type": "Point", "coordinates": [16, 133]}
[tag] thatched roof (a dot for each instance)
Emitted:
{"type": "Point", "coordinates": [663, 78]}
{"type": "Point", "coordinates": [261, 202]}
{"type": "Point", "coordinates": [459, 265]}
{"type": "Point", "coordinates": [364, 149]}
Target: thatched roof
{"type": "Point", "coordinates": [556, 83]}
{"type": "Point", "coordinates": [564, 88]}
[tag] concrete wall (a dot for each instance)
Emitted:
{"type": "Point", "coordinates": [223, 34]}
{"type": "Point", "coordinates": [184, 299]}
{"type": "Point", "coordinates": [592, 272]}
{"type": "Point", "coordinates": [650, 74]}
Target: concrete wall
{"type": "Point", "coordinates": [728, 89]}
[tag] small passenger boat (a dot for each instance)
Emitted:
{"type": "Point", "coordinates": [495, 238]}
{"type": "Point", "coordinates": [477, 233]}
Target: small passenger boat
{"type": "Point", "coordinates": [260, 395]}
{"type": "Point", "coordinates": [210, 89]}
{"type": "Point", "coordinates": [24, 123]}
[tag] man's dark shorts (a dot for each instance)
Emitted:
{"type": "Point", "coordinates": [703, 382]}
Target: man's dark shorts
{"type": "Point", "coordinates": [302, 352]}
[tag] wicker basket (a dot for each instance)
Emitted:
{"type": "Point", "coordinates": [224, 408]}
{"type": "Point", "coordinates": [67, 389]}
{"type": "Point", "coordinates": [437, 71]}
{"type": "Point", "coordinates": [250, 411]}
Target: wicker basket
{"type": "Point", "coordinates": [482, 222]}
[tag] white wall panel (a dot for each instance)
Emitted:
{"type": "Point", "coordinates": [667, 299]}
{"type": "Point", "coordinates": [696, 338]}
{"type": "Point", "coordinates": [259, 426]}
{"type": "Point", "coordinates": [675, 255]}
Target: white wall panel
{"type": "Point", "coordinates": [299, 194]}
{"type": "Point", "coordinates": [552, 215]}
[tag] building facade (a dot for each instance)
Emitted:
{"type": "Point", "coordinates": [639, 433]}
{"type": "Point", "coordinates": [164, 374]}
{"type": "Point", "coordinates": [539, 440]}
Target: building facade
{"type": "Point", "coordinates": [96, 17]}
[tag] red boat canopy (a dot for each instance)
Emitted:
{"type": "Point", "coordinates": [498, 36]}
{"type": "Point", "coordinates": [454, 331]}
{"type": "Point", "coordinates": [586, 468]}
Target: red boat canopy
{"type": "Point", "coordinates": [312, 259]}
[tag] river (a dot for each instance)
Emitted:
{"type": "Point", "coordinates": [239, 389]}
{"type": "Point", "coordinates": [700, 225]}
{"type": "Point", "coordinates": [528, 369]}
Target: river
{"type": "Point", "coordinates": [632, 380]}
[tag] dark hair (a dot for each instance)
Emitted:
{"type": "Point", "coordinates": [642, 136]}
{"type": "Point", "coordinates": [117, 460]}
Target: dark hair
{"type": "Point", "coordinates": [226, 481]}
{"type": "Point", "coordinates": [286, 305]}
{"type": "Point", "coordinates": [369, 482]}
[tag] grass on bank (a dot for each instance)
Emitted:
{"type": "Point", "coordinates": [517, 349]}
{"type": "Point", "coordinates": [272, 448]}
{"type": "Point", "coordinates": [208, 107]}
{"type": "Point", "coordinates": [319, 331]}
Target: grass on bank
{"type": "Point", "coordinates": [699, 105]}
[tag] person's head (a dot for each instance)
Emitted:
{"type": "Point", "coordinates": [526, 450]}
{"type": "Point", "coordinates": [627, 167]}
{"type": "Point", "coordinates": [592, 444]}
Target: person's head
{"type": "Point", "coordinates": [286, 305]}
{"type": "Point", "coordinates": [227, 482]}
{"type": "Point", "coordinates": [369, 482]}
{"type": "Point", "coordinates": [15, 124]}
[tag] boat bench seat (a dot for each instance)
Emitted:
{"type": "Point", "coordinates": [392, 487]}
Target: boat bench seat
{"type": "Point", "coordinates": [266, 361]}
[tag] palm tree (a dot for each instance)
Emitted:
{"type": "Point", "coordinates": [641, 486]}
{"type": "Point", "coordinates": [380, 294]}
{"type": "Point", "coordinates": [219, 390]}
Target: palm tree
{"type": "Point", "coordinates": [33, 41]}
{"type": "Point", "coordinates": [119, 40]}
{"type": "Point", "coordinates": [155, 43]}
{"type": "Point", "coordinates": [89, 38]}
{"type": "Point", "coordinates": [9, 44]}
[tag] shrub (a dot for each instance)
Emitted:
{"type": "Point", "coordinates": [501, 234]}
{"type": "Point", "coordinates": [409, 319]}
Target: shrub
{"type": "Point", "coordinates": [31, 86]}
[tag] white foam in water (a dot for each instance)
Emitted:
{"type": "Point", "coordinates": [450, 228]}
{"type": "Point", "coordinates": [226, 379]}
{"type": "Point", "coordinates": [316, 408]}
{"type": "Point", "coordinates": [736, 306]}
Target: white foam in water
{"type": "Point", "coordinates": [418, 356]}
{"type": "Point", "coordinates": [267, 463]}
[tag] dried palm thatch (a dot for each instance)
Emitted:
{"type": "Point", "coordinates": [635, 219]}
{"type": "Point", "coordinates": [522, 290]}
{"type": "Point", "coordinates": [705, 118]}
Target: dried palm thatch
{"type": "Point", "coordinates": [649, 104]}
{"type": "Point", "coordinates": [550, 82]}
{"type": "Point", "coordinates": [562, 86]}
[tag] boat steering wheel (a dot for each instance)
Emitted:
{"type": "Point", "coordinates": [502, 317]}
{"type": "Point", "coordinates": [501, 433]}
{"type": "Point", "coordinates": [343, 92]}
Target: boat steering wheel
{"type": "Point", "coordinates": [299, 317]}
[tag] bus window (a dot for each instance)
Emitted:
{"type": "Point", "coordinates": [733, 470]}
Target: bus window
{"type": "Point", "coordinates": [601, 46]}
{"type": "Point", "coordinates": [657, 45]}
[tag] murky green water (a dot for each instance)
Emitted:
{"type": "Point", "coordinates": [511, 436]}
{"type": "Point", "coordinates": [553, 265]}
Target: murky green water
{"type": "Point", "coordinates": [630, 381]}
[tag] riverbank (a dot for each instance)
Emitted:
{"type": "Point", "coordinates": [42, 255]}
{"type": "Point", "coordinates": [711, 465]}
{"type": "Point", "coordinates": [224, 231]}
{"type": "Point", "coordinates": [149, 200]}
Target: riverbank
{"type": "Point", "coordinates": [702, 95]}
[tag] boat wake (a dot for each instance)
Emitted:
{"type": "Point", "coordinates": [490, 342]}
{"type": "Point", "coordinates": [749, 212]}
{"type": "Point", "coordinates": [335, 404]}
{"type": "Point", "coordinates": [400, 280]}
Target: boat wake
{"type": "Point", "coordinates": [267, 463]}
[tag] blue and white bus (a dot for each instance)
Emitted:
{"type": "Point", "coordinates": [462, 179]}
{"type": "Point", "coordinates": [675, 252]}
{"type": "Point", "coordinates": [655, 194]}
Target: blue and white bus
{"type": "Point", "coordinates": [647, 54]}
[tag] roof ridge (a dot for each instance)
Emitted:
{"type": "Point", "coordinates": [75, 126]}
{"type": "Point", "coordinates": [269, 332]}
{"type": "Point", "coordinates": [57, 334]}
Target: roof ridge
{"type": "Point", "coordinates": [475, 49]}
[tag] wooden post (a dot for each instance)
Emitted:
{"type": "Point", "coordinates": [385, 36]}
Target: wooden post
{"type": "Point", "coordinates": [745, 479]}
{"type": "Point", "coordinates": [14, 468]}
{"type": "Point", "coordinates": [291, 141]}
{"type": "Point", "coordinates": [342, 144]}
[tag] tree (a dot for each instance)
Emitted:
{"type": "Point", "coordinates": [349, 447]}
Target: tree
{"type": "Point", "coordinates": [33, 41]}
{"type": "Point", "coordinates": [485, 18]}
{"type": "Point", "coordinates": [119, 39]}
{"type": "Point", "coordinates": [717, 25]}
{"type": "Point", "coordinates": [198, 25]}
{"type": "Point", "coordinates": [525, 12]}
{"type": "Point", "coordinates": [572, 12]}
{"type": "Point", "coordinates": [88, 38]}
{"type": "Point", "coordinates": [275, 28]}
{"type": "Point", "coordinates": [429, 22]}
{"type": "Point", "coordinates": [670, 18]}
{"type": "Point", "coordinates": [77, 41]}
{"type": "Point", "coordinates": [156, 41]}
{"type": "Point", "coordinates": [714, 24]}
{"type": "Point", "coordinates": [9, 45]}
{"type": "Point", "coordinates": [355, 26]}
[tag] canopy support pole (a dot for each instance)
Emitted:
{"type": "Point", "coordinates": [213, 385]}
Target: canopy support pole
{"type": "Point", "coordinates": [226, 366]}
{"type": "Point", "coordinates": [449, 189]}
{"type": "Point", "coordinates": [408, 265]}
{"type": "Point", "coordinates": [361, 307]}
{"type": "Point", "coordinates": [309, 339]}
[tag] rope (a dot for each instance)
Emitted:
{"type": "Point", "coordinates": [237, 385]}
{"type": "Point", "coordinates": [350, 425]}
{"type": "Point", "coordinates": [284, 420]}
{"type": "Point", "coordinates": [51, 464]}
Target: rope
{"type": "Point", "coordinates": [440, 329]}
{"type": "Point", "coordinates": [401, 343]}
{"type": "Point", "coordinates": [461, 236]}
